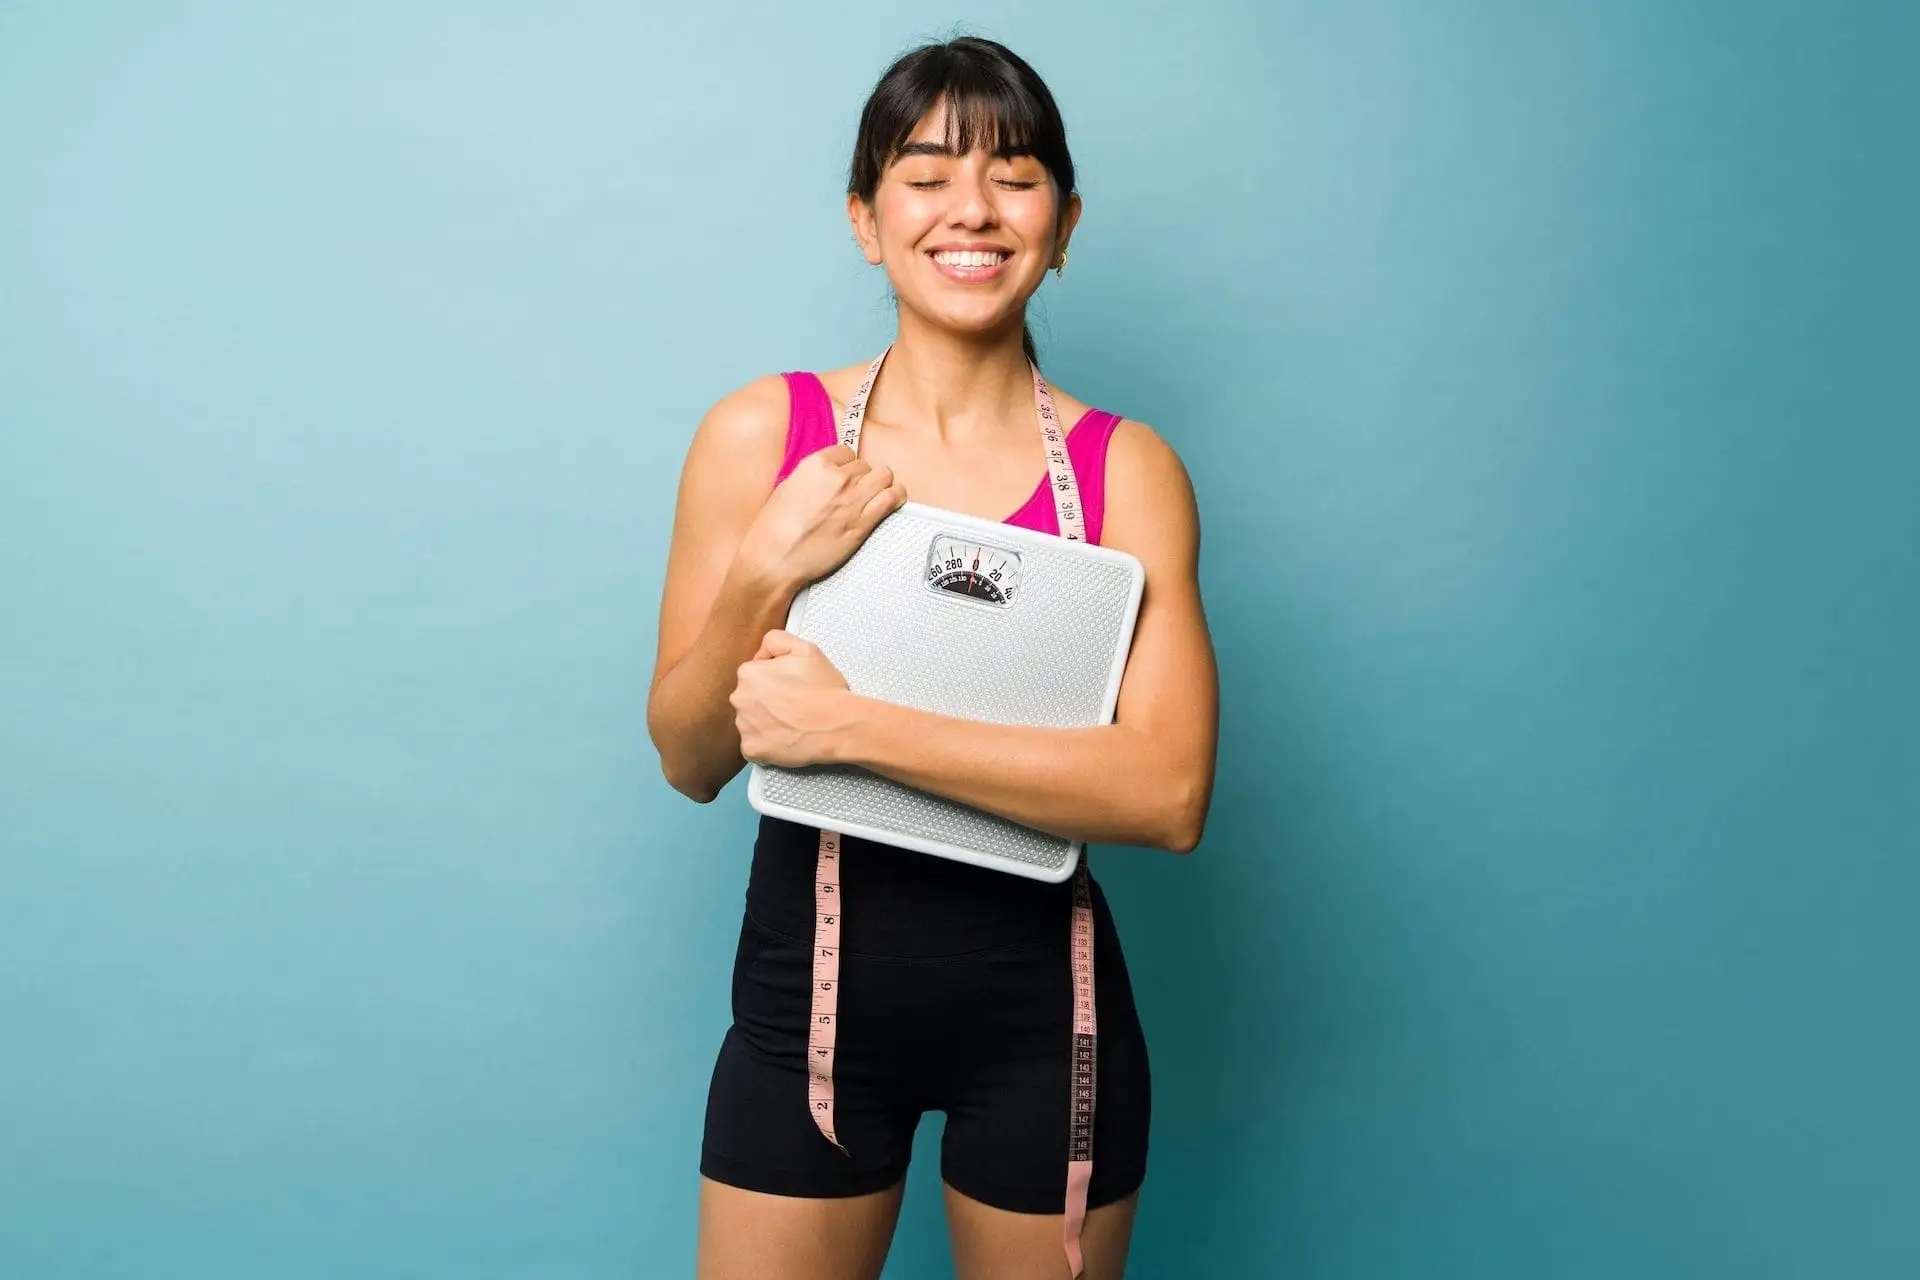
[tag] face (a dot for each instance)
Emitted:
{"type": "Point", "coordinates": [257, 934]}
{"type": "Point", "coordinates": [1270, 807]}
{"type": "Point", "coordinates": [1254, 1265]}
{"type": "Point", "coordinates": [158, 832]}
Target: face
{"type": "Point", "coordinates": [966, 239]}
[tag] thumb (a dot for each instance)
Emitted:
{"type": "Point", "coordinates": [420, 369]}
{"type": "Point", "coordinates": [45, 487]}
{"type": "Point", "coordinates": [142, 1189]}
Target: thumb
{"type": "Point", "coordinates": [778, 643]}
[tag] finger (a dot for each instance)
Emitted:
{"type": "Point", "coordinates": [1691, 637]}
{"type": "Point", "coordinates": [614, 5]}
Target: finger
{"type": "Point", "coordinates": [777, 643]}
{"type": "Point", "coordinates": [883, 504]}
{"type": "Point", "coordinates": [875, 481]}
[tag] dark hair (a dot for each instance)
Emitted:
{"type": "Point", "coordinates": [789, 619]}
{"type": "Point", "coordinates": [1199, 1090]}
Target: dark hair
{"type": "Point", "coordinates": [994, 99]}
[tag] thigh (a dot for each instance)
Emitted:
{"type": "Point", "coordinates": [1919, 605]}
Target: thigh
{"type": "Point", "coordinates": [996, 1244]}
{"type": "Point", "coordinates": [777, 1200]}
{"type": "Point", "coordinates": [750, 1235]}
{"type": "Point", "coordinates": [1009, 1104]}
{"type": "Point", "coordinates": [760, 1134]}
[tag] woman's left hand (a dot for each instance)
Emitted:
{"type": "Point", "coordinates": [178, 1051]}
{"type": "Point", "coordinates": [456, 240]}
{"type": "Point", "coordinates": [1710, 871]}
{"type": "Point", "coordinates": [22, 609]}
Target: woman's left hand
{"type": "Point", "coordinates": [789, 703]}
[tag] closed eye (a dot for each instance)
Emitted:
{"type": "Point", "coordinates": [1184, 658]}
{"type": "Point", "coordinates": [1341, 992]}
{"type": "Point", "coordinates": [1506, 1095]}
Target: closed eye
{"type": "Point", "coordinates": [1009, 183]}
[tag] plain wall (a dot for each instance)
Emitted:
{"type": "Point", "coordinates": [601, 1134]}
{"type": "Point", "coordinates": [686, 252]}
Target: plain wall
{"type": "Point", "coordinates": [1545, 372]}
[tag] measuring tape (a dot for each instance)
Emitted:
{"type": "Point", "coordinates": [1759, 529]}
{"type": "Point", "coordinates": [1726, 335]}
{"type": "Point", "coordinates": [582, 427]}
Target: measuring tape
{"type": "Point", "coordinates": [827, 898]}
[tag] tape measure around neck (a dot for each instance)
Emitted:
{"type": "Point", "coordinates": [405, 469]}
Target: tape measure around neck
{"type": "Point", "coordinates": [1061, 479]}
{"type": "Point", "coordinates": [829, 909]}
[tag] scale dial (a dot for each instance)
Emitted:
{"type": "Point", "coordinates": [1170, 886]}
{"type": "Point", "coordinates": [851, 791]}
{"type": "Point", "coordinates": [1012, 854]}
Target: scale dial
{"type": "Point", "coordinates": [964, 566]}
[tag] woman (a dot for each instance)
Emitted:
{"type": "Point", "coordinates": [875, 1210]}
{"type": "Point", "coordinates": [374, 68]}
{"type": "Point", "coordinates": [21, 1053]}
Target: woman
{"type": "Point", "coordinates": [955, 982]}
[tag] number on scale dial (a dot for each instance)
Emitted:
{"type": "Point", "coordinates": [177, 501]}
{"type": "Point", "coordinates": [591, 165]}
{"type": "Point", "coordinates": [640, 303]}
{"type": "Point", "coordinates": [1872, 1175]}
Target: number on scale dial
{"type": "Point", "coordinates": [973, 569]}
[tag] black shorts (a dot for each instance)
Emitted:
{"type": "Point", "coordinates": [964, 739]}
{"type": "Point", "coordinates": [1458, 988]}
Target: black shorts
{"type": "Point", "coordinates": [982, 1036]}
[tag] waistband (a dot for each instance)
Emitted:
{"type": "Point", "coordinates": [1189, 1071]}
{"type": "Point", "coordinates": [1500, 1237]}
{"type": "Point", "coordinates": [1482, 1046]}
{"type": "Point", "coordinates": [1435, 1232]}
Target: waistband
{"type": "Point", "coordinates": [905, 904]}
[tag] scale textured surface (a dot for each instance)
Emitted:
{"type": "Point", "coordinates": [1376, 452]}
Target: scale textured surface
{"type": "Point", "coordinates": [1045, 659]}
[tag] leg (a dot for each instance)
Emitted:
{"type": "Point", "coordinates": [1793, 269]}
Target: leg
{"type": "Point", "coordinates": [749, 1235]}
{"type": "Point", "coordinates": [777, 1200]}
{"type": "Point", "coordinates": [1005, 1150]}
{"type": "Point", "coordinates": [994, 1244]}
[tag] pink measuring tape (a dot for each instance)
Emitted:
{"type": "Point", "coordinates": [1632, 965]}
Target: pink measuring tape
{"type": "Point", "coordinates": [826, 885]}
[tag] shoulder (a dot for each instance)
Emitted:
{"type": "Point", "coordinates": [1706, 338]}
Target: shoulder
{"type": "Point", "coordinates": [744, 431]}
{"type": "Point", "coordinates": [1142, 465]}
{"type": "Point", "coordinates": [749, 414]}
{"type": "Point", "coordinates": [1150, 498]}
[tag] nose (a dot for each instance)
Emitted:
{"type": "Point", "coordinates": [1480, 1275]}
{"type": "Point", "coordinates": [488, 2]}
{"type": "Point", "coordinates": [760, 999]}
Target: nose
{"type": "Point", "coordinates": [972, 203]}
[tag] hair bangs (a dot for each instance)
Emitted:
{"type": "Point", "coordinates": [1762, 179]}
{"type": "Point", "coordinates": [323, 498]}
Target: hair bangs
{"type": "Point", "coordinates": [994, 117]}
{"type": "Point", "coordinates": [993, 102]}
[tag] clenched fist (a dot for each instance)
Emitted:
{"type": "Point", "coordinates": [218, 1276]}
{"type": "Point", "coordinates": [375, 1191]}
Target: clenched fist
{"type": "Point", "coordinates": [820, 515]}
{"type": "Point", "coordinates": [790, 703]}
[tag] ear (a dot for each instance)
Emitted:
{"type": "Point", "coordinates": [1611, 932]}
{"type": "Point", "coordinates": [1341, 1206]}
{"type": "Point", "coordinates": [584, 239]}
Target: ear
{"type": "Point", "coordinates": [866, 229]}
{"type": "Point", "coordinates": [1069, 219]}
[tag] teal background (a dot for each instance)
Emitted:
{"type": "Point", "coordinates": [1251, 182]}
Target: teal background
{"type": "Point", "coordinates": [1545, 372]}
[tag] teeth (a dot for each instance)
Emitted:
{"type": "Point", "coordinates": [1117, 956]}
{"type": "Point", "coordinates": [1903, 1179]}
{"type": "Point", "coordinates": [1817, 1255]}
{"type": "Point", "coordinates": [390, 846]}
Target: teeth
{"type": "Point", "coordinates": [972, 258]}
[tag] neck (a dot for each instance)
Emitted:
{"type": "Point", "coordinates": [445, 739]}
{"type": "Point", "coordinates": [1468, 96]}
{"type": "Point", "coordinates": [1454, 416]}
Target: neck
{"type": "Point", "coordinates": [953, 386]}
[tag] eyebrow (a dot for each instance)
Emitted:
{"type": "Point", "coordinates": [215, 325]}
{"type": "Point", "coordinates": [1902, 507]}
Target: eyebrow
{"type": "Point", "coordinates": [1005, 152]}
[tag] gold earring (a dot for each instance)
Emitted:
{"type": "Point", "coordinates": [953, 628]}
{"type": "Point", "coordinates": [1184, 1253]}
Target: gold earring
{"type": "Point", "coordinates": [1060, 267]}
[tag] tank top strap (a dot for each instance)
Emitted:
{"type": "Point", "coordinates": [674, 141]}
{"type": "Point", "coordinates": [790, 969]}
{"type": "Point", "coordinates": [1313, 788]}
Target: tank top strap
{"type": "Point", "coordinates": [1087, 449]}
{"type": "Point", "coordinates": [810, 425]}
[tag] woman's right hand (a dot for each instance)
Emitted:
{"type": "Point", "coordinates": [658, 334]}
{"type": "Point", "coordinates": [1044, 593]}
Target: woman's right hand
{"type": "Point", "coordinates": [819, 515]}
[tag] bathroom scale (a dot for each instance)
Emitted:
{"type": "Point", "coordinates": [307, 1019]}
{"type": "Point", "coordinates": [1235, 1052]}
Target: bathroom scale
{"type": "Point", "coordinates": [966, 617]}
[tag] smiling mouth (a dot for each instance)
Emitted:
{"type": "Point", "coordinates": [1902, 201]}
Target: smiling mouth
{"type": "Point", "coordinates": [970, 259]}
{"type": "Point", "coordinates": [971, 266]}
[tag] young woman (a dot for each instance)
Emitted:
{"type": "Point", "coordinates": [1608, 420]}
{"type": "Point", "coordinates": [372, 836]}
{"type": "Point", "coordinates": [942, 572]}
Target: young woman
{"type": "Point", "coordinates": [956, 983]}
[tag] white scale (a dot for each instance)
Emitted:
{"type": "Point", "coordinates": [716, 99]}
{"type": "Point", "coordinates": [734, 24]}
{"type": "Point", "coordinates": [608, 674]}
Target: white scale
{"type": "Point", "coordinates": [966, 617]}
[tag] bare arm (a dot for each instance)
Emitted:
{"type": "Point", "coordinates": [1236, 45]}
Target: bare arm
{"type": "Point", "coordinates": [714, 607]}
{"type": "Point", "coordinates": [736, 560]}
{"type": "Point", "coordinates": [1146, 779]}
{"type": "Point", "coordinates": [1105, 785]}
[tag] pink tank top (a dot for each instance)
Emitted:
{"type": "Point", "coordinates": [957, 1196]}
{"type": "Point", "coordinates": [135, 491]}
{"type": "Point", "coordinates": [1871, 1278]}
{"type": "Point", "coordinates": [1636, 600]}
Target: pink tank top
{"type": "Point", "coordinates": [811, 427]}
